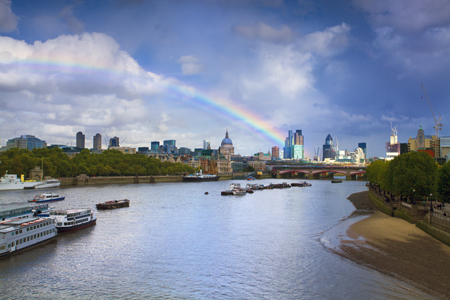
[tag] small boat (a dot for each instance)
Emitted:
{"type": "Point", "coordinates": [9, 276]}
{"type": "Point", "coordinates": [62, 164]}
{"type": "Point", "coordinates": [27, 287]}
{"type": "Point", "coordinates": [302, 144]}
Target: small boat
{"type": "Point", "coordinates": [304, 183]}
{"type": "Point", "coordinates": [239, 192]}
{"type": "Point", "coordinates": [48, 197]}
{"type": "Point", "coordinates": [113, 204]}
{"type": "Point", "coordinates": [336, 181]}
{"type": "Point", "coordinates": [72, 219]}
{"type": "Point", "coordinates": [18, 234]}
{"type": "Point", "coordinates": [199, 177]}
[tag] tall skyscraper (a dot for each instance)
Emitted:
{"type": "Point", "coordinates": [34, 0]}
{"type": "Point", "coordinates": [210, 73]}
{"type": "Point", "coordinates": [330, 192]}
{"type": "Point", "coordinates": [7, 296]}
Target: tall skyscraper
{"type": "Point", "coordinates": [329, 151]}
{"type": "Point", "coordinates": [154, 146]}
{"type": "Point", "coordinates": [80, 140]}
{"type": "Point", "coordinates": [363, 146]}
{"type": "Point", "coordinates": [294, 145]}
{"type": "Point", "coordinates": [206, 145]}
{"type": "Point", "coordinates": [114, 142]}
{"type": "Point", "coordinates": [97, 142]}
{"type": "Point", "coordinates": [169, 146]}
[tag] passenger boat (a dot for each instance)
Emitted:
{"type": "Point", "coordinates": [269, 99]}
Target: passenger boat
{"type": "Point", "coordinates": [199, 176]}
{"type": "Point", "coordinates": [18, 234]}
{"type": "Point", "coordinates": [49, 183]}
{"type": "Point", "coordinates": [11, 182]}
{"type": "Point", "coordinates": [48, 197]}
{"type": "Point", "coordinates": [72, 219]}
{"type": "Point", "coordinates": [336, 181]}
{"type": "Point", "coordinates": [113, 204]}
{"type": "Point", "coordinates": [21, 211]}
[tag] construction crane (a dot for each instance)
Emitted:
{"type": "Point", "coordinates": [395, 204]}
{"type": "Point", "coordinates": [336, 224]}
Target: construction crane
{"type": "Point", "coordinates": [438, 124]}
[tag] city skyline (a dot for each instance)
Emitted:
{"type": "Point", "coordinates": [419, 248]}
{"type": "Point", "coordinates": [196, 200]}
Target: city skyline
{"type": "Point", "coordinates": [188, 70]}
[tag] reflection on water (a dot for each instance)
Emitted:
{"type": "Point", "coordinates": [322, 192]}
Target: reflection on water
{"type": "Point", "coordinates": [175, 242]}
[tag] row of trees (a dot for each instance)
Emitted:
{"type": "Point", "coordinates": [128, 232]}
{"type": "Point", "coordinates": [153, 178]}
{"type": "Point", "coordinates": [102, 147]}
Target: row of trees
{"type": "Point", "coordinates": [413, 174]}
{"type": "Point", "coordinates": [57, 164]}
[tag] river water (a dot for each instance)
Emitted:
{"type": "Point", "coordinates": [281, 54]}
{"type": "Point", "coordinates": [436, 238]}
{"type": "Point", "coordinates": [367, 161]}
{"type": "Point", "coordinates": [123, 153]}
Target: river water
{"type": "Point", "coordinates": [175, 242]}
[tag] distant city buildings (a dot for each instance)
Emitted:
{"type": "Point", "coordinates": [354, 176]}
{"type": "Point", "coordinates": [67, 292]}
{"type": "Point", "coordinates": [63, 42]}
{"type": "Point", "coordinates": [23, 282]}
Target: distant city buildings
{"type": "Point", "coordinates": [80, 140]}
{"type": "Point", "coordinates": [25, 142]}
{"type": "Point", "coordinates": [294, 145]}
{"type": "Point", "coordinates": [169, 147]}
{"type": "Point", "coordinates": [97, 143]}
{"type": "Point", "coordinates": [154, 146]}
{"type": "Point", "coordinates": [426, 143]}
{"type": "Point", "coordinates": [206, 145]}
{"type": "Point", "coordinates": [363, 146]}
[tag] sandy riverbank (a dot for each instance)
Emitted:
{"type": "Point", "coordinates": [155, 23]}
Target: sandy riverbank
{"type": "Point", "coordinates": [395, 247]}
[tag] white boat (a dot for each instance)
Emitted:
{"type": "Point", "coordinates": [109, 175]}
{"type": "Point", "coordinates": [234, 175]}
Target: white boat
{"type": "Point", "coordinates": [234, 186]}
{"type": "Point", "coordinates": [47, 197]}
{"type": "Point", "coordinates": [199, 176]}
{"type": "Point", "coordinates": [11, 182]}
{"type": "Point", "coordinates": [18, 234]}
{"type": "Point", "coordinates": [72, 219]}
{"type": "Point", "coordinates": [49, 183]}
{"type": "Point", "coordinates": [22, 211]}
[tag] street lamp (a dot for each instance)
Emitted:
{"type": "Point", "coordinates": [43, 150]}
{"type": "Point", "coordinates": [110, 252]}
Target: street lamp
{"type": "Point", "coordinates": [431, 202]}
{"type": "Point", "coordinates": [414, 202]}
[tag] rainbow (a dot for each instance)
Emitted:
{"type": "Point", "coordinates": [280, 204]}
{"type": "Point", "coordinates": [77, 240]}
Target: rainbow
{"type": "Point", "coordinates": [221, 106]}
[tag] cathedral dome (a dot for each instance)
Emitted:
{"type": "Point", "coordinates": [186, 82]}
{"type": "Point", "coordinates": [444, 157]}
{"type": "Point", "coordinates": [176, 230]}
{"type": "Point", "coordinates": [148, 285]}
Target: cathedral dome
{"type": "Point", "coordinates": [226, 140]}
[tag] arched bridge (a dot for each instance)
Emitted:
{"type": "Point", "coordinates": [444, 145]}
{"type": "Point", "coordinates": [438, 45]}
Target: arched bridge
{"type": "Point", "coordinates": [312, 172]}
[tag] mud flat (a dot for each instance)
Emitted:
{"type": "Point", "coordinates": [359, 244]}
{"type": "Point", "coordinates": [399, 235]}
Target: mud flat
{"type": "Point", "coordinates": [397, 248]}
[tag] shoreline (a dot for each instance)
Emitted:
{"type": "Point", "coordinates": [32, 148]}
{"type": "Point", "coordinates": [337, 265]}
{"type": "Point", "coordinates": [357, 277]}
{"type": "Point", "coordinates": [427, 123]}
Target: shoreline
{"type": "Point", "coordinates": [394, 247]}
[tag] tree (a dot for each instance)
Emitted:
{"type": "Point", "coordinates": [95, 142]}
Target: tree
{"type": "Point", "coordinates": [443, 183]}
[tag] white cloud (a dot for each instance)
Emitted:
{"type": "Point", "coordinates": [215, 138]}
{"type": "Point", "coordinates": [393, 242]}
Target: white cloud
{"type": "Point", "coordinates": [190, 65]}
{"type": "Point", "coordinates": [266, 32]}
{"type": "Point", "coordinates": [72, 22]}
{"type": "Point", "coordinates": [407, 16]}
{"type": "Point", "coordinates": [330, 41]}
{"type": "Point", "coordinates": [8, 20]}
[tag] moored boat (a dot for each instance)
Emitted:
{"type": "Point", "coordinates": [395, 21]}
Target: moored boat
{"type": "Point", "coordinates": [18, 234]}
{"type": "Point", "coordinates": [47, 197]}
{"type": "Point", "coordinates": [199, 176]}
{"type": "Point", "coordinates": [49, 183]}
{"type": "Point", "coordinates": [11, 182]}
{"type": "Point", "coordinates": [21, 211]}
{"type": "Point", "coordinates": [336, 181]}
{"type": "Point", "coordinates": [113, 204]}
{"type": "Point", "coordinates": [72, 219]}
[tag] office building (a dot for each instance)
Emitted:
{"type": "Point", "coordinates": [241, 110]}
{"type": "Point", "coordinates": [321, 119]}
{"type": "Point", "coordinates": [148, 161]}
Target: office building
{"type": "Point", "coordinates": [80, 140]}
{"type": "Point", "coordinates": [275, 152]}
{"type": "Point", "coordinates": [97, 145]}
{"type": "Point", "coordinates": [393, 146]}
{"type": "Point", "coordinates": [363, 146]}
{"type": "Point", "coordinates": [154, 146]}
{"type": "Point", "coordinates": [328, 149]}
{"type": "Point", "coordinates": [445, 146]}
{"type": "Point", "coordinates": [424, 142]}
{"type": "Point", "coordinates": [294, 145]}
{"type": "Point", "coordinates": [170, 147]}
{"type": "Point", "coordinates": [206, 145]}
{"type": "Point", "coordinates": [25, 142]}
{"type": "Point", "coordinates": [114, 142]}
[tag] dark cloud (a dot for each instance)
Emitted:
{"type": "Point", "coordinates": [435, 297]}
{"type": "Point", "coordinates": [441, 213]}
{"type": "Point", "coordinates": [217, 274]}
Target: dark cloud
{"type": "Point", "coordinates": [8, 20]}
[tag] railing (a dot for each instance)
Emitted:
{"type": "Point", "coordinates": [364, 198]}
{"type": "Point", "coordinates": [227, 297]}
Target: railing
{"type": "Point", "coordinates": [441, 216]}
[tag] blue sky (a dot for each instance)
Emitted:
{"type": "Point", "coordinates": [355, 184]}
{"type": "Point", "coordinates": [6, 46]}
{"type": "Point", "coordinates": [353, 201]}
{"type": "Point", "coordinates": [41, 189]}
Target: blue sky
{"type": "Point", "coordinates": [345, 68]}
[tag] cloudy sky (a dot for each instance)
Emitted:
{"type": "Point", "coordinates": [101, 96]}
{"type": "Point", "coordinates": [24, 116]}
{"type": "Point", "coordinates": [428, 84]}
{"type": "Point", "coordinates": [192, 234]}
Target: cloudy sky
{"type": "Point", "coordinates": [188, 70]}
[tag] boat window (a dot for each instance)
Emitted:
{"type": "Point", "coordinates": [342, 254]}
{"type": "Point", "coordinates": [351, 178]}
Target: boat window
{"type": "Point", "coordinates": [2, 247]}
{"type": "Point", "coordinates": [28, 238]}
{"type": "Point", "coordinates": [9, 245]}
{"type": "Point", "coordinates": [20, 230]}
{"type": "Point", "coordinates": [12, 233]}
{"type": "Point", "coordinates": [34, 236]}
{"type": "Point", "coordinates": [12, 244]}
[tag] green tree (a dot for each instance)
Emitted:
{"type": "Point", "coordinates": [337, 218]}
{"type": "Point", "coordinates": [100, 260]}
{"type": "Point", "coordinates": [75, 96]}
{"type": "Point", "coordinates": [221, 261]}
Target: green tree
{"type": "Point", "coordinates": [443, 183]}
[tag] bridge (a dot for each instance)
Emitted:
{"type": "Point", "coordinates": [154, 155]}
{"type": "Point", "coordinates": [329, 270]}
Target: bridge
{"type": "Point", "coordinates": [349, 172]}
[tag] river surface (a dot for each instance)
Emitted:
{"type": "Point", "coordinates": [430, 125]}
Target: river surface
{"type": "Point", "coordinates": [175, 242]}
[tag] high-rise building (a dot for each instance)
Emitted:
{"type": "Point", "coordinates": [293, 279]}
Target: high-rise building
{"type": "Point", "coordinates": [114, 142]}
{"type": "Point", "coordinates": [80, 140]}
{"type": "Point", "coordinates": [26, 142]}
{"type": "Point", "coordinates": [170, 146]}
{"type": "Point", "coordinates": [294, 145]}
{"type": "Point", "coordinates": [206, 145]}
{"type": "Point", "coordinates": [363, 146]}
{"type": "Point", "coordinates": [275, 152]}
{"type": "Point", "coordinates": [328, 150]}
{"type": "Point", "coordinates": [97, 145]}
{"type": "Point", "coordinates": [154, 146]}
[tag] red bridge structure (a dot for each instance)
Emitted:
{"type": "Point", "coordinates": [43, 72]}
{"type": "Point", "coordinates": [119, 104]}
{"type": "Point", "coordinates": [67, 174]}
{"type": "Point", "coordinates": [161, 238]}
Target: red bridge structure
{"type": "Point", "coordinates": [311, 172]}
